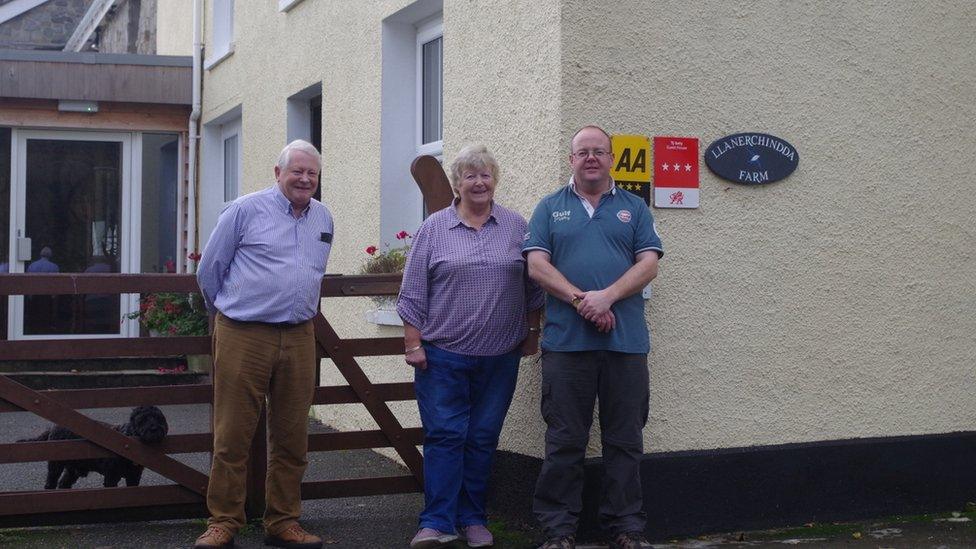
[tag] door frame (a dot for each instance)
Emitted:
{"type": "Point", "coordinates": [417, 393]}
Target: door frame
{"type": "Point", "coordinates": [129, 221]}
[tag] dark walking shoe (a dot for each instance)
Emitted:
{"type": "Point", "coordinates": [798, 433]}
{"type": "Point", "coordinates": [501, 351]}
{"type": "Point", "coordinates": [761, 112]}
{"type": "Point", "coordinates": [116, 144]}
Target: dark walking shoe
{"type": "Point", "coordinates": [293, 537]}
{"type": "Point", "coordinates": [629, 540]}
{"type": "Point", "coordinates": [215, 538]}
{"type": "Point", "coordinates": [559, 542]}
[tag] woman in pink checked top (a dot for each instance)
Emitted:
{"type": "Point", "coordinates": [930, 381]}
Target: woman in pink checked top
{"type": "Point", "coordinates": [470, 313]}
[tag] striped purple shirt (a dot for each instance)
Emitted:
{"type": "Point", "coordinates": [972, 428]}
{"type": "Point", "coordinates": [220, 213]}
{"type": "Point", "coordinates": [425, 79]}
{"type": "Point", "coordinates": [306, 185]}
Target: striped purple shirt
{"type": "Point", "coordinates": [468, 290]}
{"type": "Point", "coordinates": [262, 264]}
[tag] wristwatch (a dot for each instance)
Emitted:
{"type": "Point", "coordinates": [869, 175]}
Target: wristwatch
{"type": "Point", "coordinates": [576, 302]}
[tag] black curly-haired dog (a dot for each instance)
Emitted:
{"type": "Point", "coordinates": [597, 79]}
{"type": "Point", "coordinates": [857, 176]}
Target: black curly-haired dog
{"type": "Point", "coordinates": [146, 423]}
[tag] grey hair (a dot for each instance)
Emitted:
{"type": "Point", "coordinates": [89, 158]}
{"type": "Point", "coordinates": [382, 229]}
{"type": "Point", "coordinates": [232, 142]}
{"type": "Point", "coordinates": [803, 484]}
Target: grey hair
{"type": "Point", "coordinates": [298, 145]}
{"type": "Point", "coordinates": [472, 156]}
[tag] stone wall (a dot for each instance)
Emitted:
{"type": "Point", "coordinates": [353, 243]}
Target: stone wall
{"type": "Point", "coordinates": [129, 28]}
{"type": "Point", "coordinates": [46, 27]}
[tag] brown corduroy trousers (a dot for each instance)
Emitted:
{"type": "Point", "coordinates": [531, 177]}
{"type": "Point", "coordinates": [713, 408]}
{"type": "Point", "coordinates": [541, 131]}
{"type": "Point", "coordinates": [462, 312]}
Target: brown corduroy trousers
{"type": "Point", "coordinates": [254, 363]}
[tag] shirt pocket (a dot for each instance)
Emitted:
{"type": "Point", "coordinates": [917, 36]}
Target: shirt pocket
{"type": "Point", "coordinates": [320, 256]}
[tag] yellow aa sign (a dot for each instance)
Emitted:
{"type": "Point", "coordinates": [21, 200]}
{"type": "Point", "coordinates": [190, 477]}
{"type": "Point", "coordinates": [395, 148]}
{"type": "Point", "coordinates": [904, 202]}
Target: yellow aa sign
{"type": "Point", "coordinates": [631, 158]}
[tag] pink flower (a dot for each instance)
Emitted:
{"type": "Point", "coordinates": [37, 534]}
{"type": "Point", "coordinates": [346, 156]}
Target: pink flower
{"type": "Point", "coordinates": [371, 250]}
{"type": "Point", "coordinates": [402, 234]}
{"type": "Point", "coordinates": [193, 256]}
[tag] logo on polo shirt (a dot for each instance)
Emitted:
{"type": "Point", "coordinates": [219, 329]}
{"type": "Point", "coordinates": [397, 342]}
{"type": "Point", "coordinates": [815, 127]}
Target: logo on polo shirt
{"type": "Point", "coordinates": [527, 236]}
{"type": "Point", "coordinates": [624, 216]}
{"type": "Point", "coordinates": [561, 216]}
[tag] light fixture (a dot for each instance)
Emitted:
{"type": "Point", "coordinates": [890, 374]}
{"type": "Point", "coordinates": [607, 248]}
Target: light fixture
{"type": "Point", "coordinates": [70, 105]}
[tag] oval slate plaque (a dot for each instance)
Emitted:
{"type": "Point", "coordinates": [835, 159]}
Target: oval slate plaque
{"type": "Point", "coordinates": [751, 158]}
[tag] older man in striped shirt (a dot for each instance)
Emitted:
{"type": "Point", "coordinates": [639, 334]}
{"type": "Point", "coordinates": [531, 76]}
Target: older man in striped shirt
{"type": "Point", "coordinates": [260, 274]}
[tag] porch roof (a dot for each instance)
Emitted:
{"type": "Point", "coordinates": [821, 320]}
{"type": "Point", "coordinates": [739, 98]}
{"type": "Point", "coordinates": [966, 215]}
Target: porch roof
{"type": "Point", "coordinates": [87, 76]}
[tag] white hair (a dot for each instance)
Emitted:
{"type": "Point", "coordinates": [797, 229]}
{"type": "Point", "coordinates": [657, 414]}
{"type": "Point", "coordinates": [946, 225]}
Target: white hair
{"type": "Point", "coordinates": [298, 145]}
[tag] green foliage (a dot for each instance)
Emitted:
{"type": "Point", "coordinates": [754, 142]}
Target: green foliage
{"type": "Point", "coordinates": [172, 314]}
{"type": "Point", "coordinates": [391, 260]}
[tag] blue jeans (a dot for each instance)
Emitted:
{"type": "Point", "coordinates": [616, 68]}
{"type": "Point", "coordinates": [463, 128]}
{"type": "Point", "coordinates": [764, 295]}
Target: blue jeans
{"type": "Point", "coordinates": [463, 400]}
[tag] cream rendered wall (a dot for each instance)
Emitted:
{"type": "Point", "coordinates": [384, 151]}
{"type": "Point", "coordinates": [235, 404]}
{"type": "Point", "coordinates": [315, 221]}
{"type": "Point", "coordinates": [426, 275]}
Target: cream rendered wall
{"type": "Point", "coordinates": [837, 303]}
{"type": "Point", "coordinates": [174, 27]}
{"type": "Point", "coordinates": [276, 55]}
{"type": "Point", "coordinates": [840, 302]}
{"type": "Point", "coordinates": [502, 81]}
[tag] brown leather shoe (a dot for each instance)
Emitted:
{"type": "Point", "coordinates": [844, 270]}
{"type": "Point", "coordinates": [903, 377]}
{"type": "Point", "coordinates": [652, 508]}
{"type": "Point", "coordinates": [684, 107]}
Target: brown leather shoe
{"type": "Point", "coordinates": [214, 538]}
{"type": "Point", "coordinates": [293, 537]}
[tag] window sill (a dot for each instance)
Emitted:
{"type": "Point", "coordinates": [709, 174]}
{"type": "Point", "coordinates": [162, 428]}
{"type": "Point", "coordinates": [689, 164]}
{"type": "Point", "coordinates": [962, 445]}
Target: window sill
{"type": "Point", "coordinates": [384, 315]}
{"type": "Point", "coordinates": [218, 56]}
{"type": "Point", "coordinates": [285, 5]}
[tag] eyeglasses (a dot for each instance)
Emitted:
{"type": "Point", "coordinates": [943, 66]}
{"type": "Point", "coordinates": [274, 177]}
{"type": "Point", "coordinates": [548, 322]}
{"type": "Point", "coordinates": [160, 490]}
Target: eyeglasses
{"type": "Point", "coordinates": [585, 153]}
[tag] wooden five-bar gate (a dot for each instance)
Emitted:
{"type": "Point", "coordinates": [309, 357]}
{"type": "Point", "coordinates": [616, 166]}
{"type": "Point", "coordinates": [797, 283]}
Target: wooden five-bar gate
{"type": "Point", "coordinates": [186, 497]}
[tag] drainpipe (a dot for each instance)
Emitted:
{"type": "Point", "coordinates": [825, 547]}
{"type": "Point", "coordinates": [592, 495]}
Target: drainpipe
{"type": "Point", "coordinates": [194, 145]}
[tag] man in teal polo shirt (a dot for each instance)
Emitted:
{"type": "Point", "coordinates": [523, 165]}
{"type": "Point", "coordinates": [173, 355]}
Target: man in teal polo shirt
{"type": "Point", "coordinates": [593, 248]}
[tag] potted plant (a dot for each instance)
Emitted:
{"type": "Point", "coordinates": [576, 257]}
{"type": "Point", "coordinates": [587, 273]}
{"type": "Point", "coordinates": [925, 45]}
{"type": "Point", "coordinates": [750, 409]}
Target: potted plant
{"type": "Point", "coordinates": [390, 260]}
{"type": "Point", "coordinates": [172, 314]}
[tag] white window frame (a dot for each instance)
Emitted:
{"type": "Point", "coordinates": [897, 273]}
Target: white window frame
{"type": "Point", "coordinates": [298, 113]}
{"type": "Point", "coordinates": [129, 222]}
{"type": "Point", "coordinates": [222, 33]}
{"type": "Point", "coordinates": [211, 198]}
{"type": "Point", "coordinates": [428, 30]}
{"type": "Point", "coordinates": [227, 131]}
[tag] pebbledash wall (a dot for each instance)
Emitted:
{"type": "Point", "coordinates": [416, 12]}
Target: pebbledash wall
{"type": "Point", "coordinates": [813, 339]}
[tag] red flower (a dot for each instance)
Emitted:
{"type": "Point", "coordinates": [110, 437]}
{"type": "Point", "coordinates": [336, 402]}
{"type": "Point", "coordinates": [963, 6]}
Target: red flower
{"type": "Point", "coordinates": [371, 250]}
{"type": "Point", "coordinates": [402, 234]}
{"type": "Point", "coordinates": [193, 256]}
{"type": "Point", "coordinates": [172, 330]}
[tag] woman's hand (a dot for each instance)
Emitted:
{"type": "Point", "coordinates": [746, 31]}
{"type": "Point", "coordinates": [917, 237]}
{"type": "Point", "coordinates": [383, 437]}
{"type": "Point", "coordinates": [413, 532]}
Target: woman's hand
{"type": "Point", "coordinates": [417, 358]}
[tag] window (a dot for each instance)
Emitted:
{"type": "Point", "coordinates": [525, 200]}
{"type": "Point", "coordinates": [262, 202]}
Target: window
{"type": "Point", "coordinates": [232, 159]}
{"type": "Point", "coordinates": [221, 169]}
{"type": "Point", "coordinates": [430, 89]}
{"type": "Point", "coordinates": [412, 110]}
{"type": "Point", "coordinates": [160, 187]}
{"type": "Point", "coordinates": [222, 38]}
{"type": "Point", "coordinates": [304, 118]}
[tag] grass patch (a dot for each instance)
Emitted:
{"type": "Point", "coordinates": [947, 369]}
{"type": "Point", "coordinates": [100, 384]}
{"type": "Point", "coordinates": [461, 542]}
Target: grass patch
{"type": "Point", "coordinates": [815, 531]}
{"type": "Point", "coordinates": [846, 529]}
{"type": "Point", "coordinates": [508, 537]}
{"type": "Point", "coordinates": [12, 537]}
{"type": "Point", "coordinates": [970, 514]}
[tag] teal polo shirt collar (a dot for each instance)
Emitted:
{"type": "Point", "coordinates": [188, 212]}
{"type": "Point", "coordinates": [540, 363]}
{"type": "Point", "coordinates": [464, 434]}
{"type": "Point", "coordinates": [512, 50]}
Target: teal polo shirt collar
{"type": "Point", "coordinates": [590, 210]}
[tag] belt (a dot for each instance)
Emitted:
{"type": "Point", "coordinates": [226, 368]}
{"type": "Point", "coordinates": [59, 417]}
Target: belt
{"type": "Point", "coordinates": [275, 325]}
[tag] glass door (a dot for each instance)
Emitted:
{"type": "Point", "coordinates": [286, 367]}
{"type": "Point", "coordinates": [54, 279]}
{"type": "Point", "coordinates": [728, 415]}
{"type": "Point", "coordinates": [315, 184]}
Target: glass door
{"type": "Point", "coordinates": [69, 193]}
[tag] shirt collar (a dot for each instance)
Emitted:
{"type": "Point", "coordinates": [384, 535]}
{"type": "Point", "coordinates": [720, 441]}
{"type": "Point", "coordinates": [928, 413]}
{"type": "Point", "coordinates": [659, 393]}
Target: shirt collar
{"type": "Point", "coordinates": [283, 203]}
{"type": "Point", "coordinates": [572, 187]}
{"type": "Point", "coordinates": [456, 220]}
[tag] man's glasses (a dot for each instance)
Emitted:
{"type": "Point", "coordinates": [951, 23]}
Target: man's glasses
{"type": "Point", "coordinates": [585, 153]}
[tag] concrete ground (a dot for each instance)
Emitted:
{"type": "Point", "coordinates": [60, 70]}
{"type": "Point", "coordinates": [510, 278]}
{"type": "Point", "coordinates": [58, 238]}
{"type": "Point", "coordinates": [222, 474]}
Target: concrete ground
{"type": "Point", "coordinates": [388, 522]}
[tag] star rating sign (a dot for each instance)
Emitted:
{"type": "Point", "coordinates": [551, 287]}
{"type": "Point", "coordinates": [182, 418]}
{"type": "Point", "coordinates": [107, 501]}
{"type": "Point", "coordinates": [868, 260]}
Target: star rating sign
{"type": "Point", "coordinates": [676, 182]}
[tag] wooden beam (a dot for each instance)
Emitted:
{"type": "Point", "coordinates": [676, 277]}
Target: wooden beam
{"type": "Point", "coordinates": [16, 8]}
{"type": "Point", "coordinates": [43, 113]}
{"type": "Point", "coordinates": [89, 22]}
